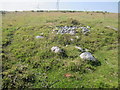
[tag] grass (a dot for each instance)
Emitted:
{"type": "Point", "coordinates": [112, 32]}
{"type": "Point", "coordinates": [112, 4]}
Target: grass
{"type": "Point", "coordinates": [29, 62]}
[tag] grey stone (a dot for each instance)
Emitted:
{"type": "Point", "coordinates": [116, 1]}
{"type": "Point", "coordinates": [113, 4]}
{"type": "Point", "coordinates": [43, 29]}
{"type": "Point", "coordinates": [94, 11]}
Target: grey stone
{"type": "Point", "coordinates": [87, 56]}
{"type": "Point", "coordinates": [79, 48]}
{"type": "Point", "coordinates": [77, 37]}
{"type": "Point", "coordinates": [72, 39]}
{"type": "Point", "coordinates": [110, 27]}
{"type": "Point", "coordinates": [56, 49]}
{"type": "Point", "coordinates": [88, 26]}
{"type": "Point", "coordinates": [39, 37]}
{"type": "Point", "coordinates": [72, 32]}
{"type": "Point", "coordinates": [85, 30]}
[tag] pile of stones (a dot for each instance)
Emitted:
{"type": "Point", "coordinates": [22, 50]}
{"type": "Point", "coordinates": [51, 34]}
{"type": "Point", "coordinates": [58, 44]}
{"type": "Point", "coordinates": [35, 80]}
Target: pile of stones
{"type": "Point", "coordinates": [71, 29]}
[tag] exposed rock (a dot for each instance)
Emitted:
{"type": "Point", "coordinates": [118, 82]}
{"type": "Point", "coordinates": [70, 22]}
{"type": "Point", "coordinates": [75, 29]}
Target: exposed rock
{"type": "Point", "coordinates": [109, 27]}
{"type": "Point", "coordinates": [41, 33]}
{"type": "Point", "coordinates": [86, 50]}
{"type": "Point", "coordinates": [39, 37]}
{"type": "Point", "coordinates": [72, 32]}
{"type": "Point", "coordinates": [71, 29]}
{"type": "Point", "coordinates": [77, 37]}
{"type": "Point", "coordinates": [72, 39]}
{"type": "Point", "coordinates": [56, 49]}
{"type": "Point", "coordinates": [88, 26]}
{"type": "Point", "coordinates": [85, 30]}
{"type": "Point", "coordinates": [87, 56]}
{"type": "Point", "coordinates": [66, 45]}
{"type": "Point", "coordinates": [66, 29]}
{"type": "Point", "coordinates": [79, 48]}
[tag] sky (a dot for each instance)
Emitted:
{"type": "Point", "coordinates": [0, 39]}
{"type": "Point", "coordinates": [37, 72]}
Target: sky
{"type": "Point", "coordinates": [79, 5]}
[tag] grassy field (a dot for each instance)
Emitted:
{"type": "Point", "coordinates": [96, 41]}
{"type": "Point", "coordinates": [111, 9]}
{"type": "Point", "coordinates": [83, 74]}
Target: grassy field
{"type": "Point", "coordinates": [29, 62]}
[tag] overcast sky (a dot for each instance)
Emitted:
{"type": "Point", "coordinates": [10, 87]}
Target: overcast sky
{"type": "Point", "coordinates": [82, 5]}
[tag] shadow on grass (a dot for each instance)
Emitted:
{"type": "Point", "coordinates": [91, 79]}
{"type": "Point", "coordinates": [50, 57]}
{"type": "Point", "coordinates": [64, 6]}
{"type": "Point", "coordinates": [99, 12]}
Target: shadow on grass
{"type": "Point", "coordinates": [63, 54]}
{"type": "Point", "coordinates": [95, 63]}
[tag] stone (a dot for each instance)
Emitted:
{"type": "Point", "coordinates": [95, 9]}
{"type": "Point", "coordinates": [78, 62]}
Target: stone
{"type": "Point", "coordinates": [88, 26]}
{"type": "Point", "coordinates": [66, 45]}
{"type": "Point", "coordinates": [109, 27]}
{"type": "Point", "coordinates": [72, 32]}
{"type": "Point", "coordinates": [85, 30]}
{"type": "Point", "coordinates": [72, 39]}
{"type": "Point", "coordinates": [87, 56]}
{"type": "Point", "coordinates": [39, 37]}
{"type": "Point", "coordinates": [77, 37]}
{"type": "Point", "coordinates": [67, 30]}
{"type": "Point", "coordinates": [86, 50]}
{"type": "Point", "coordinates": [56, 49]}
{"type": "Point", "coordinates": [41, 33]}
{"type": "Point", "coordinates": [79, 48]}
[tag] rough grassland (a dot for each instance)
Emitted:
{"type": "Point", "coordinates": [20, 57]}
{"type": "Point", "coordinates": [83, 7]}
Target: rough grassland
{"type": "Point", "coordinates": [29, 62]}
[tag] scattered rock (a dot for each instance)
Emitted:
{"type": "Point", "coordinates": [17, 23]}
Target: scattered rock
{"type": "Point", "coordinates": [79, 48]}
{"type": "Point", "coordinates": [77, 37]}
{"type": "Point", "coordinates": [41, 33]}
{"type": "Point", "coordinates": [66, 45]}
{"type": "Point", "coordinates": [109, 27]}
{"type": "Point", "coordinates": [66, 29]}
{"type": "Point", "coordinates": [72, 32]}
{"type": "Point", "coordinates": [71, 29]}
{"type": "Point", "coordinates": [86, 50]}
{"type": "Point", "coordinates": [56, 49]}
{"type": "Point", "coordinates": [85, 30]}
{"type": "Point", "coordinates": [72, 39]}
{"type": "Point", "coordinates": [39, 37]}
{"type": "Point", "coordinates": [88, 26]}
{"type": "Point", "coordinates": [87, 56]}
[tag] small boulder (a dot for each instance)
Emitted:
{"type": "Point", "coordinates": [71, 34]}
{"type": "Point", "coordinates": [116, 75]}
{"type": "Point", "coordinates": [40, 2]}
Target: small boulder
{"type": "Point", "coordinates": [56, 49]}
{"type": "Point", "coordinates": [87, 56]}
